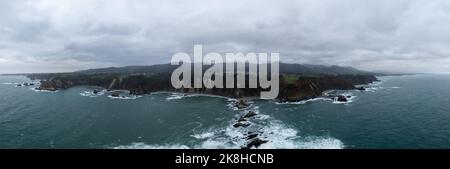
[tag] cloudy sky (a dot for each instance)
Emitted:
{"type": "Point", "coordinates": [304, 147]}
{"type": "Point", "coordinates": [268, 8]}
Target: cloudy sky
{"type": "Point", "coordinates": [67, 35]}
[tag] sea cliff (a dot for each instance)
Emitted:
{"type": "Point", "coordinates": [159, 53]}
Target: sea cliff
{"type": "Point", "coordinates": [294, 86]}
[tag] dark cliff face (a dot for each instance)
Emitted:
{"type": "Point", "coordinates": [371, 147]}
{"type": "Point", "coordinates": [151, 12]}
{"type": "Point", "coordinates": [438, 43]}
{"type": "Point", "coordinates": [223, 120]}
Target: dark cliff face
{"type": "Point", "coordinates": [137, 84]}
{"type": "Point", "coordinates": [297, 88]}
{"type": "Point", "coordinates": [297, 82]}
{"type": "Point", "coordinates": [292, 87]}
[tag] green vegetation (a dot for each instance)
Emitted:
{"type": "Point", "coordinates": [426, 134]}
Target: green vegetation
{"type": "Point", "coordinates": [290, 78]}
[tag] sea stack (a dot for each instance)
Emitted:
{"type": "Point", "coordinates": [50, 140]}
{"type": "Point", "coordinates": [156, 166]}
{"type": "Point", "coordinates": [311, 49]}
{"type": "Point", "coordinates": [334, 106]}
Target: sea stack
{"type": "Point", "coordinates": [115, 94]}
{"type": "Point", "coordinates": [342, 98]}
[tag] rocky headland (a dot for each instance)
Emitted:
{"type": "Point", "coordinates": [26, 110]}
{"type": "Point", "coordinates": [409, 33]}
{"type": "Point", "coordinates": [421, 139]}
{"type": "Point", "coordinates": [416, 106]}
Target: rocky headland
{"type": "Point", "coordinates": [295, 85]}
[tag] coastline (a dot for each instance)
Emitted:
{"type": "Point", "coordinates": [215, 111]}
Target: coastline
{"type": "Point", "coordinates": [116, 92]}
{"type": "Point", "coordinates": [323, 96]}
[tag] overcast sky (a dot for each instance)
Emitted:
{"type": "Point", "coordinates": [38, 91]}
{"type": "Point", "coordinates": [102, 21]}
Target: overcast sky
{"type": "Point", "coordinates": [63, 35]}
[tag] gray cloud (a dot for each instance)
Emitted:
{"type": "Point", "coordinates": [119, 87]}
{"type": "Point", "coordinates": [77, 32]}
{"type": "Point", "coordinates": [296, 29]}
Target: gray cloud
{"type": "Point", "coordinates": [67, 35]}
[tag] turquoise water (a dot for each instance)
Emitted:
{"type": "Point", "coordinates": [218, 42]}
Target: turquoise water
{"type": "Point", "coordinates": [399, 112]}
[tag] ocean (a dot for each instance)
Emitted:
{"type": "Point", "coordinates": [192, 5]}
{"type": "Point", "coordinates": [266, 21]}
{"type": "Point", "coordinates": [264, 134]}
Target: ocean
{"type": "Point", "coordinates": [397, 112]}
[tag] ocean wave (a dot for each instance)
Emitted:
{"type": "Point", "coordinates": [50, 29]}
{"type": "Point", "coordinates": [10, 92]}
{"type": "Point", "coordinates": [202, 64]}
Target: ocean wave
{"type": "Point", "coordinates": [394, 87]}
{"type": "Point", "coordinates": [376, 88]}
{"type": "Point", "coordinates": [92, 94]}
{"type": "Point", "coordinates": [321, 143]}
{"type": "Point", "coordinates": [177, 96]}
{"type": "Point", "coordinates": [232, 104]}
{"type": "Point", "coordinates": [130, 97]}
{"type": "Point", "coordinates": [303, 101]}
{"type": "Point", "coordinates": [204, 135]}
{"type": "Point", "coordinates": [20, 84]}
{"type": "Point", "coordinates": [9, 83]}
{"type": "Point", "coordinates": [43, 91]}
{"type": "Point", "coordinates": [141, 145]}
{"type": "Point", "coordinates": [278, 135]}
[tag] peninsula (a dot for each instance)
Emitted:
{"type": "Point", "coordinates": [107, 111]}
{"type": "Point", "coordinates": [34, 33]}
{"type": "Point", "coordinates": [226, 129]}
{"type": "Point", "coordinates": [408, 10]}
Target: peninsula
{"type": "Point", "coordinates": [297, 82]}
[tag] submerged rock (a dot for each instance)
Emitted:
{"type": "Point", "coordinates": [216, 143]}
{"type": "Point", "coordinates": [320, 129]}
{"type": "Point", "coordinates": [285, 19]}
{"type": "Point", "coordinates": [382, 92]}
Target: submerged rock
{"type": "Point", "coordinates": [115, 94]}
{"type": "Point", "coordinates": [95, 92]}
{"type": "Point", "coordinates": [241, 124]}
{"type": "Point", "coordinates": [241, 119]}
{"type": "Point", "coordinates": [241, 104]}
{"type": "Point", "coordinates": [255, 143]}
{"type": "Point", "coordinates": [249, 114]}
{"type": "Point", "coordinates": [252, 136]}
{"type": "Point", "coordinates": [52, 89]}
{"type": "Point", "coordinates": [361, 88]}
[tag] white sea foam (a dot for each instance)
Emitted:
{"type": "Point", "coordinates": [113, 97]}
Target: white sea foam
{"type": "Point", "coordinates": [206, 95]}
{"type": "Point", "coordinates": [175, 96]}
{"type": "Point", "coordinates": [279, 136]}
{"type": "Point", "coordinates": [43, 91]}
{"type": "Point", "coordinates": [321, 143]}
{"type": "Point", "coordinates": [130, 97]}
{"type": "Point", "coordinates": [147, 146]}
{"type": "Point", "coordinates": [376, 88]}
{"type": "Point", "coordinates": [203, 135]}
{"type": "Point", "coordinates": [123, 95]}
{"type": "Point", "coordinates": [9, 83]}
{"type": "Point", "coordinates": [35, 83]}
{"type": "Point", "coordinates": [92, 94]}
{"type": "Point", "coordinates": [348, 94]}
{"type": "Point", "coordinates": [232, 104]}
{"type": "Point", "coordinates": [303, 101]}
{"type": "Point", "coordinates": [377, 85]}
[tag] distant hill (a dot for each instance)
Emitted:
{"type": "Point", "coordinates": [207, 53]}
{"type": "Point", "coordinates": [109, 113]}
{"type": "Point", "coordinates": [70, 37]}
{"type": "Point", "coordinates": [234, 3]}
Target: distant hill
{"type": "Point", "coordinates": [161, 68]}
{"type": "Point", "coordinates": [320, 69]}
{"type": "Point", "coordinates": [284, 69]}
